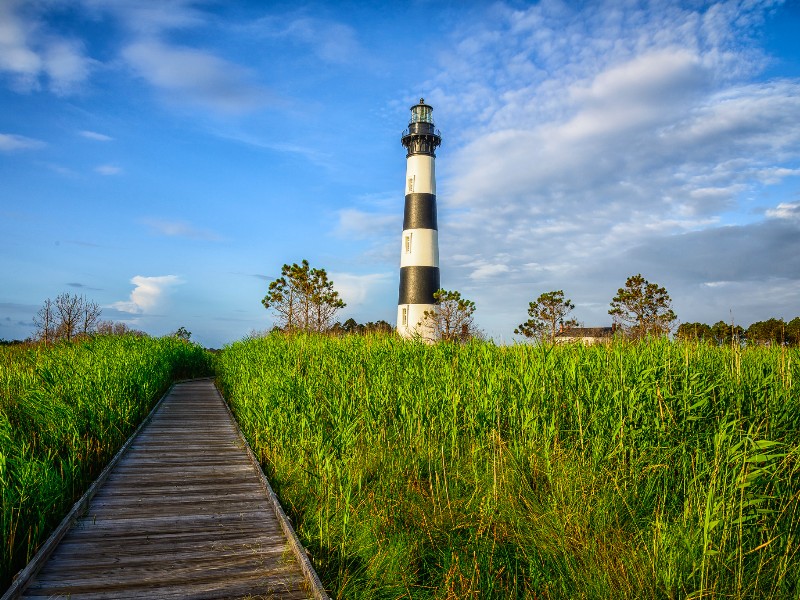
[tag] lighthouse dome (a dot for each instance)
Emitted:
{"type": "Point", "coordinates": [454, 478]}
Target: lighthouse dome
{"type": "Point", "coordinates": [422, 113]}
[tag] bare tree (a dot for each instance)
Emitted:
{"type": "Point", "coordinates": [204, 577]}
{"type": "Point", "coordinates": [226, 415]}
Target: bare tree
{"type": "Point", "coordinates": [65, 317]}
{"type": "Point", "coordinates": [303, 299]}
{"type": "Point", "coordinates": [90, 315]}
{"type": "Point", "coordinates": [111, 328]}
{"type": "Point", "coordinates": [45, 322]}
{"type": "Point", "coordinates": [117, 328]}
{"type": "Point", "coordinates": [69, 308]}
{"type": "Point", "coordinates": [452, 319]}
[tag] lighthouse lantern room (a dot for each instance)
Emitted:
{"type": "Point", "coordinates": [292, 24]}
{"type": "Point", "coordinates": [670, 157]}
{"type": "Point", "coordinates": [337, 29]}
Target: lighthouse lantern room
{"type": "Point", "coordinates": [419, 251]}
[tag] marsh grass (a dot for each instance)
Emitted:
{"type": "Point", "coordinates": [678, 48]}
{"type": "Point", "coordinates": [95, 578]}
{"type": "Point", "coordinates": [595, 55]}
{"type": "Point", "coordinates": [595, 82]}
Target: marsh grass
{"type": "Point", "coordinates": [64, 412]}
{"type": "Point", "coordinates": [650, 470]}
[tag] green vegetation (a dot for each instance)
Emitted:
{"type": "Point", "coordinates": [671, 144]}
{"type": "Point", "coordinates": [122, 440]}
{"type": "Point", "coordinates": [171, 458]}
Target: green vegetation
{"type": "Point", "coordinates": [451, 320]}
{"type": "Point", "coordinates": [547, 314]}
{"type": "Point", "coordinates": [64, 412]}
{"type": "Point", "coordinates": [765, 333]}
{"type": "Point", "coordinates": [303, 299]}
{"type": "Point", "coordinates": [649, 470]}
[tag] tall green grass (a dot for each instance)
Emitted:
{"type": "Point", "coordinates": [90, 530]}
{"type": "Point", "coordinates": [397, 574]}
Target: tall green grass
{"type": "Point", "coordinates": [652, 470]}
{"type": "Point", "coordinates": [64, 412]}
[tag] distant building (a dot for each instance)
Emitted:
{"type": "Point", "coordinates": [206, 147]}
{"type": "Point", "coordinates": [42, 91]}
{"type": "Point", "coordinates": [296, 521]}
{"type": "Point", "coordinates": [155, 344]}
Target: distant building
{"type": "Point", "coordinates": [585, 335]}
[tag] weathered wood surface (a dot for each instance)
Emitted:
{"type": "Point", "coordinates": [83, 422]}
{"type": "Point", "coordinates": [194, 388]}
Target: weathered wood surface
{"type": "Point", "coordinates": [185, 513]}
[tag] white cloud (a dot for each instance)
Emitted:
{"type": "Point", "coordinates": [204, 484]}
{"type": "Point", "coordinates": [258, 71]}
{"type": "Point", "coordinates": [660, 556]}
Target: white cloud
{"type": "Point", "coordinates": [359, 224]}
{"type": "Point", "coordinates": [150, 18]}
{"type": "Point", "coordinates": [66, 65]}
{"type": "Point", "coordinates": [775, 175]}
{"type": "Point", "coordinates": [308, 152]}
{"type": "Point", "coordinates": [33, 55]}
{"type": "Point", "coordinates": [486, 271]}
{"type": "Point", "coordinates": [789, 211]}
{"type": "Point", "coordinates": [356, 289]}
{"type": "Point", "coordinates": [646, 91]}
{"type": "Point", "coordinates": [98, 137]}
{"type": "Point", "coordinates": [148, 293]}
{"type": "Point", "coordinates": [180, 229]}
{"type": "Point", "coordinates": [108, 170]}
{"type": "Point", "coordinates": [10, 142]}
{"type": "Point", "coordinates": [187, 75]}
{"type": "Point", "coordinates": [15, 54]}
{"type": "Point", "coordinates": [595, 141]}
{"type": "Point", "coordinates": [61, 170]}
{"type": "Point", "coordinates": [331, 41]}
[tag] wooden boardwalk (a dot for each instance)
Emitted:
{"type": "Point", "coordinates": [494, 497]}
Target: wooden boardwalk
{"type": "Point", "coordinates": [184, 513]}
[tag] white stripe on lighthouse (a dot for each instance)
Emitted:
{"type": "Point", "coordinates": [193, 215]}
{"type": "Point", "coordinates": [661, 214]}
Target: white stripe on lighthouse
{"type": "Point", "coordinates": [420, 248]}
{"type": "Point", "coordinates": [409, 318]}
{"type": "Point", "coordinates": [420, 174]}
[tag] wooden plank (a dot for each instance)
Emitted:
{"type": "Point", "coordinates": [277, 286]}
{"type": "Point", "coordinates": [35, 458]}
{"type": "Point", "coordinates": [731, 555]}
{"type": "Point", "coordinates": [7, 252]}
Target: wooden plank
{"type": "Point", "coordinates": [185, 513]}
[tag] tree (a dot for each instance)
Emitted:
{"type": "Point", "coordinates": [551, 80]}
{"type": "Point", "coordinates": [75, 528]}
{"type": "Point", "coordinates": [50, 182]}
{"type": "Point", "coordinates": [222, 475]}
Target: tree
{"type": "Point", "coordinates": [771, 331]}
{"type": "Point", "coordinates": [547, 314]}
{"type": "Point", "coordinates": [45, 322]}
{"type": "Point", "coordinates": [303, 299]}
{"type": "Point", "coordinates": [642, 308]}
{"type": "Point", "coordinates": [182, 334]}
{"type": "Point", "coordinates": [90, 313]}
{"type": "Point", "coordinates": [793, 331]}
{"type": "Point", "coordinates": [725, 334]}
{"type": "Point", "coordinates": [694, 331]}
{"type": "Point", "coordinates": [117, 328]}
{"type": "Point", "coordinates": [65, 317]}
{"type": "Point", "coordinates": [352, 327]}
{"type": "Point", "coordinates": [379, 326]}
{"type": "Point", "coordinates": [69, 309]}
{"type": "Point", "coordinates": [452, 318]}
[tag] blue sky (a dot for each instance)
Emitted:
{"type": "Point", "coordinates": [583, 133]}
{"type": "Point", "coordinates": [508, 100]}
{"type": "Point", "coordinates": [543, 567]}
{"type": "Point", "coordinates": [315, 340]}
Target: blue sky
{"type": "Point", "coordinates": [165, 158]}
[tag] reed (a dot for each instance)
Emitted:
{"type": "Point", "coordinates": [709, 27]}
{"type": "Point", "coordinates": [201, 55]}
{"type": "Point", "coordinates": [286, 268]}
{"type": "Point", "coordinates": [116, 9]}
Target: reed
{"type": "Point", "coordinates": [64, 412]}
{"type": "Point", "coordinates": [648, 470]}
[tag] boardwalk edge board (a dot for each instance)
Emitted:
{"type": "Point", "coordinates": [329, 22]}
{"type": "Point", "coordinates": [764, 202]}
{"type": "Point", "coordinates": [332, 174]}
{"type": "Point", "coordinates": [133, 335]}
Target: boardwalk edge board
{"type": "Point", "coordinates": [24, 577]}
{"type": "Point", "coordinates": [297, 547]}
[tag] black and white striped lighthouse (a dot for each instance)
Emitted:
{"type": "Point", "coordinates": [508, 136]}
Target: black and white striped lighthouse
{"type": "Point", "coordinates": [419, 253]}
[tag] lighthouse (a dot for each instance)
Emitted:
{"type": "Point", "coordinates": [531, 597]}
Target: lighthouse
{"type": "Point", "coordinates": [419, 251]}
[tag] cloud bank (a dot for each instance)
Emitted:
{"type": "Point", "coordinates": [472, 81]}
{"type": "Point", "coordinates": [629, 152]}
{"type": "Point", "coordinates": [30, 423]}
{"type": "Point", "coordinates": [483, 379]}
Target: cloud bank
{"type": "Point", "coordinates": [180, 229]}
{"type": "Point", "coordinates": [595, 143]}
{"type": "Point", "coordinates": [148, 293]}
{"type": "Point", "coordinates": [35, 56]}
{"type": "Point", "coordinates": [10, 142]}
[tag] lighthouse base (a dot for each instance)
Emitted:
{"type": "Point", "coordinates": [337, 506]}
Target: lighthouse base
{"type": "Point", "coordinates": [411, 322]}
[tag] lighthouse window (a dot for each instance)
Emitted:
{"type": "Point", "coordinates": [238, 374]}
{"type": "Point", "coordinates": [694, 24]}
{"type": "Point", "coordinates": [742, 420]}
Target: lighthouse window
{"type": "Point", "coordinates": [408, 244]}
{"type": "Point", "coordinates": [410, 184]}
{"type": "Point", "coordinates": [421, 114]}
{"type": "Point", "coordinates": [405, 317]}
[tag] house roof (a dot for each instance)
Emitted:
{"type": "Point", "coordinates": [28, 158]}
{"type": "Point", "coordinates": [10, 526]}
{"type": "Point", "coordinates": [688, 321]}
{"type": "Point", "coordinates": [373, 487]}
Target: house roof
{"type": "Point", "coordinates": [581, 332]}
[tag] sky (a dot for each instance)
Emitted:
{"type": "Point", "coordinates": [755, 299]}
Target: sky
{"type": "Point", "coordinates": [165, 158]}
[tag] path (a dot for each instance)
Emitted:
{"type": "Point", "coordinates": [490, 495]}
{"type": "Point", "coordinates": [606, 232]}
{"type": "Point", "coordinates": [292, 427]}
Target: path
{"type": "Point", "coordinates": [185, 513]}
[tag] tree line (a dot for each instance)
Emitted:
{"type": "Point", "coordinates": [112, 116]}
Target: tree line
{"type": "Point", "coordinates": [770, 332]}
{"type": "Point", "coordinates": [304, 299]}
{"type": "Point", "coordinates": [69, 317]}
{"type": "Point", "coordinates": [640, 309]}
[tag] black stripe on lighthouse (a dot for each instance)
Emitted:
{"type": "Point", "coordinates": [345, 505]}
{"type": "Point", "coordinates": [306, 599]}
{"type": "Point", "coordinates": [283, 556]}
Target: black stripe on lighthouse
{"type": "Point", "coordinates": [420, 212]}
{"type": "Point", "coordinates": [418, 284]}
